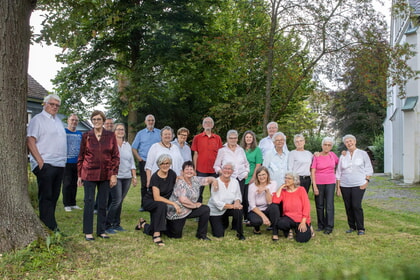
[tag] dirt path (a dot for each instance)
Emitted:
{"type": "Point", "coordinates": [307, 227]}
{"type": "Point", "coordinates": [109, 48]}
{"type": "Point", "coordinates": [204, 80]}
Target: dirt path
{"type": "Point", "coordinates": [390, 194]}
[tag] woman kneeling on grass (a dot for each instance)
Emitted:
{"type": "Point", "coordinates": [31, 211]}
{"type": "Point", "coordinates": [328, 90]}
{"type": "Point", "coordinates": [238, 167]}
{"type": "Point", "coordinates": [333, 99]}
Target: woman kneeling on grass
{"type": "Point", "coordinates": [296, 210]}
{"type": "Point", "coordinates": [185, 194]}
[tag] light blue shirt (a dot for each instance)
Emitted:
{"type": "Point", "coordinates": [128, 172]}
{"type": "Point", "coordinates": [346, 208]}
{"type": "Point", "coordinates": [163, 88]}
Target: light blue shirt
{"type": "Point", "coordinates": [126, 161]}
{"type": "Point", "coordinates": [144, 140]}
{"type": "Point", "coordinates": [276, 165]}
{"type": "Point", "coordinates": [185, 151]}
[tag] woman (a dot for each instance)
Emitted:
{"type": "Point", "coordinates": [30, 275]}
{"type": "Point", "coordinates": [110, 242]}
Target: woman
{"type": "Point", "coordinates": [225, 201]}
{"type": "Point", "coordinates": [323, 182]}
{"type": "Point", "coordinates": [254, 157]}
{"type": "Point", "coordinates": [185, 194]}
{"type": "Point", "coordinates": [126, 176]}
{"type": "Point", "coordinates": [299, 162]}
{"type": "Point", "coordinates": [97, 167]}
{"type": "Point", "coordinates": [296, 210]}
{"type": "Point", "coordinates": [163, 147]}
{"type": "Point", "coordinates": [261, 210]}
{"type": "Point", "coordinates": [233, 153]}
{"type": "Point", "coordinates": [157, 198]}
{"type": "Point", "coordinates": [276, 159]}
{"type": "Point", "coordinates": [353, 175]}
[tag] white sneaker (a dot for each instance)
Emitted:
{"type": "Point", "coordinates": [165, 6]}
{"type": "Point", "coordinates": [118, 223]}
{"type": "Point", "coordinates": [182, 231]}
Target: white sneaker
{"type": "Point", "coordinates": [67, 208]}
{"type": "Point", "coordinates": [76, 207]}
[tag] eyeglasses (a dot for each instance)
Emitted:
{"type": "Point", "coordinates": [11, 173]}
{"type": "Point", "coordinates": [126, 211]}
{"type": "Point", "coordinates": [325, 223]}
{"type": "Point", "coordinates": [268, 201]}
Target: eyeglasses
{"type": "Point", "coordinates": [54, 104]}
{"type": "Point", "coordinates": [97, 119]}
{"type": "Point", "coordinates": [288, 178]}
{"type": "Point", "coordinates": [165, 163]}
{"type": "Point", "coordinates": [185, 135]}
{"type": "Point", "coordinates": [151, 120]}
{"type": "Point", "coordinates": [120, 129]}
{"type": "Point", "coordinates": [233, 138]}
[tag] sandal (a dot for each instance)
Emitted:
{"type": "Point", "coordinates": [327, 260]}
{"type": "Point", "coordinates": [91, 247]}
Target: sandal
{"type": "Point", "coordinates": [258, 232]}
{"type": "Point", "coordinates": [160, 242]}
{"type": "Point", "coordinates": [275, 238]}
{"type": "Point", "coordinates": [141, 224]}
{"type": "Point", "coordinates": [290, 236]}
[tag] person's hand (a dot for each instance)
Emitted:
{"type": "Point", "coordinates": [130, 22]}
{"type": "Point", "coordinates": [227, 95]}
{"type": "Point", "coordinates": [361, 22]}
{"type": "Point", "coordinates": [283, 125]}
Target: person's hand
{"type": "Point", "coordinates": [316, 191]}
{"type": "Point", "coordinates": [134, 181]}
{"type": "Point", "coordinates": [177, 208]}
{"type": "Point", "coordinates": [279, 190]}
{"type": "Point", "coordinates": [79, 182]}
{"type": "Point", "coordinates": [198, 205]}
{"type": "Point", "coordinates": [266, 221]}
{"type": "Point", "coordinates": [338, 192]}
{"type": "Point", "coordinates": [113, 181]}
{"type": "Point", "coordinates": [317, 154]}
{"type": "Point", "coordinates": [260, 190]}
{"type": "Point", "coordinates": [302, 227]}
{"type": "Point", "coordinates": [363, 187]}
{"type": "Point", "coordinates": [40, 164]}
{"type": "Point", "coordinates": [237, 205]}
{"type": "Point", "coordinates": [215, 185]}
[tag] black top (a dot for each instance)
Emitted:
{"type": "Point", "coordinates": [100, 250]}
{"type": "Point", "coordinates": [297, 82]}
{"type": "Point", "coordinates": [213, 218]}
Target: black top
{"type": "Point", "coordinates": [165, 185]}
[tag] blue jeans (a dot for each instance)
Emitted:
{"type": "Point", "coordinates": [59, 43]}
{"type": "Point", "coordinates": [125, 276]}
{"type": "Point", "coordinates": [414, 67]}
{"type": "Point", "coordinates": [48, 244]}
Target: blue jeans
{"type": "Point", "coordinates": [117, 194]}
{"type": "Point", "coordinates": [324, 203]}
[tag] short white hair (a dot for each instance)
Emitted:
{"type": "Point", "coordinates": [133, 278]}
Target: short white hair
{"type": "Point", "coordinates": [270, 123]}
{"type": "Point", "coordinates": [52, 96]}
{"type": "Point", "coordinates": [348, 136]}
{"type": "Point", "coordinates": [327, 139]}
{"type": "Point", "coordinates": [277, 134]}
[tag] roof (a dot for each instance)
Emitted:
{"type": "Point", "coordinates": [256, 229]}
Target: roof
{"type": "Point", "coordinates": [35, 90]}
{"type": "Point", "coordinates": [416, 6]}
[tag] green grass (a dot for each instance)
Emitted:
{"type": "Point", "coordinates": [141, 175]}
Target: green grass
{"type": "Point", "coordinates": [389, 250]}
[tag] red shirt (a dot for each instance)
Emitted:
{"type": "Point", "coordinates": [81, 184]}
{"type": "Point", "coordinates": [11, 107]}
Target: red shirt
{"type": "Point", "coordinates": [295, 204]}
{"type": "Point", "coordinates": [98, 160]}
{"type": "Point", "coordinates": [207, 148]}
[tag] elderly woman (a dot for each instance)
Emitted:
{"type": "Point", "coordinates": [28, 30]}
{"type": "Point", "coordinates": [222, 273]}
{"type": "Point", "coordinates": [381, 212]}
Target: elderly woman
{"type": "Point", "coordinates": [225, 201]}
{"type": "Point", "coordinates": [157, 198]}
{"type": "Point", "coordinates": [261, 210]}
{"type": "Point", "coordinates": [163, 147]}
{"type": "Point", "coordinates": [185, 194]}
{"type": "Point", "coordinates": [296, 210]}
{"type": "Point", "coordinates": [353, 174]}
{"type": "Point", "coordinates": [126, 176]}
{"type": "Point", "coordinates": [299, 162]}
{"type": "Point", "coordinates": [276, 159]}
{"type": "Point", "coordinates": [97, 167]}
{"type": "Point", "coordinates": [233, 153]}
{"type": "Point", "coordinates": [323, 176]}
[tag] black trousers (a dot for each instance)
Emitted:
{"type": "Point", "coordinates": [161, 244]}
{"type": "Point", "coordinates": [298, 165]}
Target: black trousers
{"type": "Point", "coordinates": [102, 198]}
{"type": "Point", "coordinates": [49, 180]}
{"type": "Point", "coordinates": [305, 181]}
{"type": "Point", "coordinates": [244, 192]}
{"type": "Point", "coordinates": [286, 224]}
{"type": "Point", "coordinates": [70, 184]}
{"type": "Point", "coordinates": [220, 223]}
{"type": "Point", "coordinates": [272, 212]}
{"type": "Point", "coordinates": [324, 203]}
{"type": "Point", "coordinates": [352, 198]}
{"type": "Point", "coordinates": [175, 227]}
{"type": "Point", "coordinates": [157, 211]}
{"type": "Point", "coordinates": [143, 180]}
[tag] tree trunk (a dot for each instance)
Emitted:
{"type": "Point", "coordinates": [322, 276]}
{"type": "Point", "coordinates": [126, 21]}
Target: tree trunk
{"type": "Point", "coordinates": [132, 113]}
{"type": "Point", "coordinates": [19, 225]}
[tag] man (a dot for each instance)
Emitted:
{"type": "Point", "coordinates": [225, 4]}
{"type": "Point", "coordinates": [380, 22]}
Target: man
{"type": "Point", "coordinates": [181, 142]}
{"type": "Point", "coordinates": [74, 138]}
{"type": "Point", "coordinates": [46, 140]}
{"type": "Point", "coordinates": [109, 124]}
{"type": "Point", "coordinates": [205, 146]}
{"type": "Point", "coordinates": [144, 139]}
{"type": "Point", "coordinates": [266, 144]}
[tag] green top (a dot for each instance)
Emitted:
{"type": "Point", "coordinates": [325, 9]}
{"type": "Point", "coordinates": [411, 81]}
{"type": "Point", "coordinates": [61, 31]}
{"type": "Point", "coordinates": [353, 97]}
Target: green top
{"type": "Point", "coordinates": [254, 157]}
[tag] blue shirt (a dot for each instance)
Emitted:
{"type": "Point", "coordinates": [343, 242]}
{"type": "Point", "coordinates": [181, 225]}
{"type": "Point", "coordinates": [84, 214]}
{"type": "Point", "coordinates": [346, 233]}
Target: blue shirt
{"type": "Point", "coordinates": [73, 145]}
{"type": "Point", "coordinates": [144, 140]}
{"type": "Point", "coordinates": [185, 151]}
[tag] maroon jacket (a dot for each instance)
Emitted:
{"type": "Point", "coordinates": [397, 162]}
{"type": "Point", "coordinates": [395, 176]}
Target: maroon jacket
{"type": "Point", "coordinates": [98, 160]}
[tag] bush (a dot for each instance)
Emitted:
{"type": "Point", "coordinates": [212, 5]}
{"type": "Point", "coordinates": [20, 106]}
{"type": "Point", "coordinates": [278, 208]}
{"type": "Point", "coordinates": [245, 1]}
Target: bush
{"type": "Point", "coordinates": [378, 153]}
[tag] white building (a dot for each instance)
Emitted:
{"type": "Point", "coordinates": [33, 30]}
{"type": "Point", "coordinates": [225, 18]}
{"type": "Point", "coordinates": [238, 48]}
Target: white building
{"type": "Point", "coordinates": [401, 126]}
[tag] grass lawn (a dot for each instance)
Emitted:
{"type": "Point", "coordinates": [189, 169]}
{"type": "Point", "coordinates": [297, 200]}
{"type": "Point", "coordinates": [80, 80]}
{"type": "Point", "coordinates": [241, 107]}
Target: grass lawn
{"type": "Point", "coordinates": [389, 250]}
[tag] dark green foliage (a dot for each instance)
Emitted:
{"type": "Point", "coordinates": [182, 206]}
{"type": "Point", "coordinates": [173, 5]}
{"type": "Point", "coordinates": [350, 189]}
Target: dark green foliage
{"type": "Point", "coordinates": [378, 153]}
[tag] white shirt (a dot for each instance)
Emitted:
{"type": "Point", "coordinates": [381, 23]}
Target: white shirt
{"type": "Point", "coordinates": [51, 139]}
{"type": "Point", "coordinates": [353, 170]}
{"type": "Point", "coordinates": [237, 157]}
{"type": "Point", "coordinates": [276, 165]}
{"type": "Point", "coordinates": [156, 150]}
{"type": "Point", "coordinates": [221, 197]}
{"type": "Point", "coordinates": [299, 162]}
{"type": "Point", "coordinates": [126, 161]}
{"type": "Point", "coordinates": [266, 145]}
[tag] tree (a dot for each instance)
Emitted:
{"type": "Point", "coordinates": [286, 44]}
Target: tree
{"type": "Point", "coordinates": [19, 225]}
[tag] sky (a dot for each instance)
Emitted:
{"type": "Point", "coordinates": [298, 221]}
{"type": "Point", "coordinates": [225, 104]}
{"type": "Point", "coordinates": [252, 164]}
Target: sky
{"type": "Point", "coordinates": [42, 63]}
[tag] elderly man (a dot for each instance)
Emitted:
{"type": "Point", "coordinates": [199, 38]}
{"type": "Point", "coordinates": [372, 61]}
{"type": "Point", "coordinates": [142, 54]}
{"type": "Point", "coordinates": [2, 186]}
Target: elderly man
{"type": "Point", "coordinates": [276, 159]}
{"type": "Point", "coordinates": [266, 144]}
{"type": "Point", "coordinates": [144, 139]}
{"type": "Point", "coordinates": [205, 146]}
{"type": "Point", "coordinates": [46, 140]}
{"type": "Point", "coordinates": [109, 124]}
{"type": "Point", "coordinates": [181, 143]}
{"type": "Point", "coordinates": [74, 137]}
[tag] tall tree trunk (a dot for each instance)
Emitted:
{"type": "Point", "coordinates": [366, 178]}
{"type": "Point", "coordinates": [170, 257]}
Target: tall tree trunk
{"type": "Point", "coordinates": [132, 113]}
{"type": "Point", "coordinates": [19, 225]}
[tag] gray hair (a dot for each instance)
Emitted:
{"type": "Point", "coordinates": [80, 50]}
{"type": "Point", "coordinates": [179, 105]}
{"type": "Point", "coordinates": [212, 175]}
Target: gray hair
{"type": "Point", "coordinates": [212, 121]}
{"type": "Point", "coordinates": [228, 163]}
{"type": "Point", "coordinates": [167, 128]}
{"type": "Point", "coordinates": [118, 124]}
{"type": "Point", "coordinates": [327, 139]}
{"type": "Point", "coordinates": [270, 123]}
{"type": "Point", "coordinates": [278, 134]}
{"type": "Point", "coordinates": [149, 115]}
{"type": "Point", "coordinates": [298, 136]}
{"type": "Point", "coordinates": [162, 158]}
{"type": "Point", "coordinates": [52, 96]}
{"type": "Point", "coordinates": [348, 136]}
{"type": "Point", "coordinates": [296, 180]}
{"type": "Point", "coordinates": [230, 132]}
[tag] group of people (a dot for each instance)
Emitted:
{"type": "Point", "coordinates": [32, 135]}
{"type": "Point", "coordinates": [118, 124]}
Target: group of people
{"type": "Point", "coordinates": [257, 185]}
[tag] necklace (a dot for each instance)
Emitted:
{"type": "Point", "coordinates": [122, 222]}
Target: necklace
{"type": "Point", "coordinates": [163, 144]}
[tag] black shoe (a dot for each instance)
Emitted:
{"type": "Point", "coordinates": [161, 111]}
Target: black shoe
{"type": "Point", "coordinates": [103, 236]}
{"type": "Point", "coordinates": [269, 228]}
{"type": "Point", "coordinates": [141, 209]}
{"type": "Point", "coordinates": [89, 238]}
{"type": "Point", "coordinates": [319, 229]}
{"type": "Point", "coordinates": [205, 238]}
{"type": "Point", "coordinates": [240, 236]}
{"type": "Point", "coordinates": [327, 231]}
{"type": "Point", "coordinates": [350, 230]}
{"type": "Point", "coordinates": [361, 232]}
